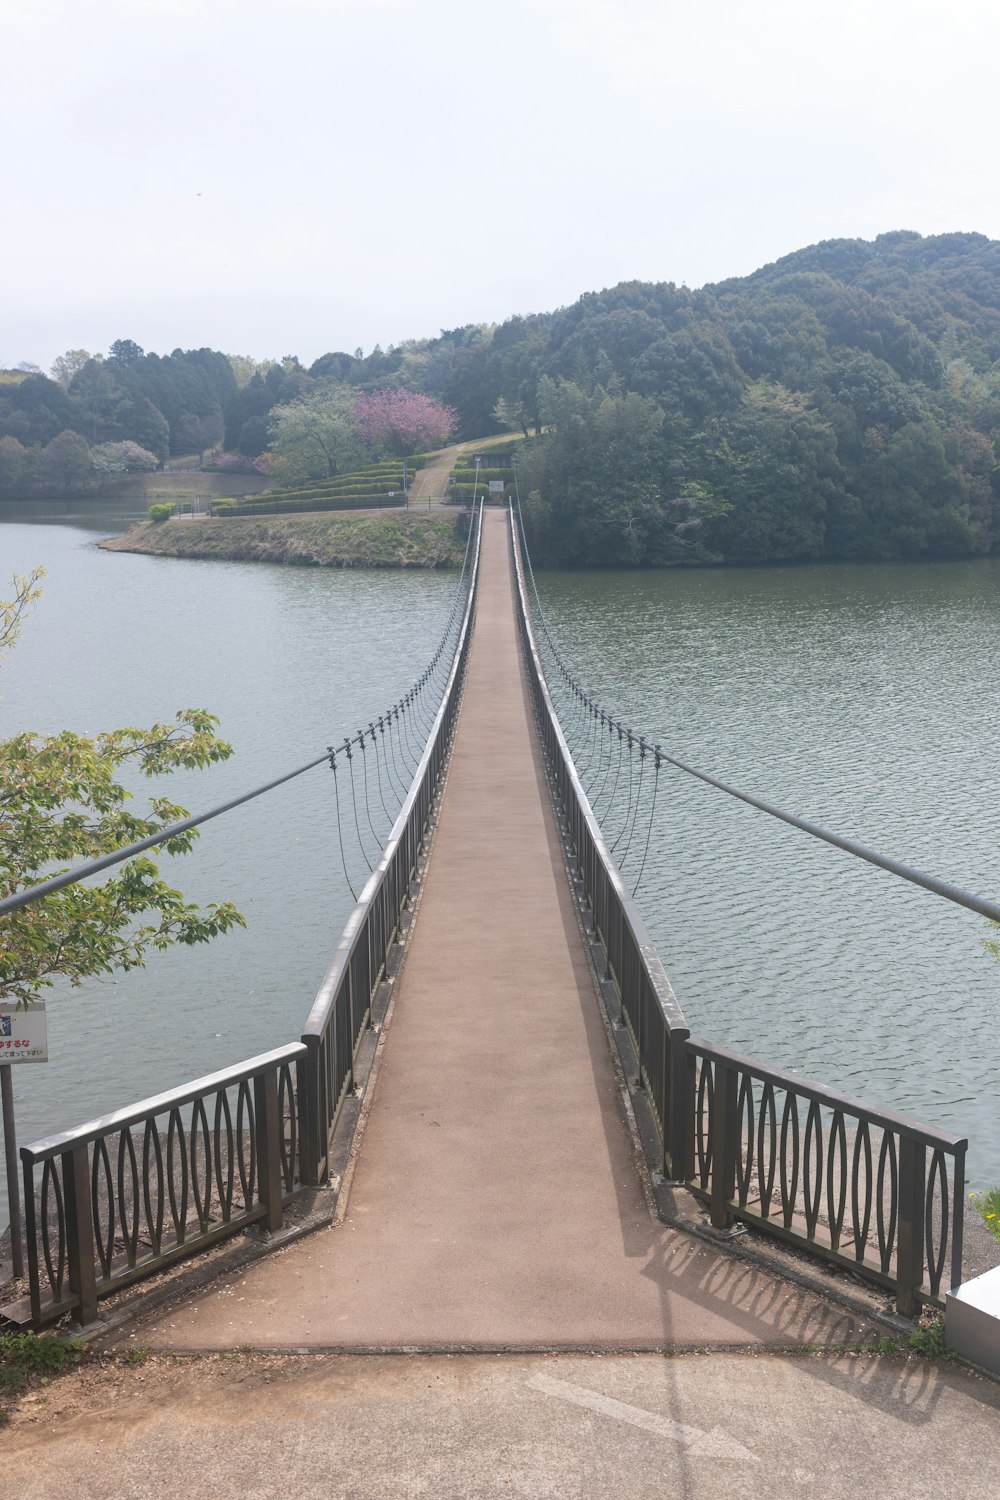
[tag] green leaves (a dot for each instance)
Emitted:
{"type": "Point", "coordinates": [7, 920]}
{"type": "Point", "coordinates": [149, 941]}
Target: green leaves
{"type": "Point", "coordinates": [63, 801]}
{"type": "Point", "coordinates": [12, 611]}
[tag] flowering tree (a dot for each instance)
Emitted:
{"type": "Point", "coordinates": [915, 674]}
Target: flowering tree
{"type": "Point", "coordinates": [402, 422]}
{"type": "Point", "coordinates": [242, 463]}
{"type": "Point", "coordinates": [122, 458]}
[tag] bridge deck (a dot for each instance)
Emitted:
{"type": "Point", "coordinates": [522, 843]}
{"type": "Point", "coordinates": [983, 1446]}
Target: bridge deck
{"type": "Point", "coordinates": [496, 1201]}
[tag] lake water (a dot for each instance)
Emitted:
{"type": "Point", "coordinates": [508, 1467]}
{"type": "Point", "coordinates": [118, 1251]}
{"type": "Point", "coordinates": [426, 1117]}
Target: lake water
{"type": "Point", "coordinates": [862, 697]}
{"type": "Point", "coordinates": [291, 660]}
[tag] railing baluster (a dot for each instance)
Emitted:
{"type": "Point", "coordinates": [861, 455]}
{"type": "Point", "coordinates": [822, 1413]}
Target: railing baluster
{"type": "Point", "coordinates": [861, 1217]}
{"type": "Point", "coordinates": [269, 1147]}
{"type": "Point", "coordinates": [789, 1166]}
{"type": "Point", "coordinates": [887, 1226]}
{"type": "Point", "coordinates": [935, 1256]}
{"type": "Point", "coordinates": [745, 1138]}
{"type": "Point", "coordinates": [103, 1215]}
{"type": "Point", "coordinates": [836, 1178]}
{"type": "Point", "coordinates": [152, 1152]}
{"type": "Point", "coordinates": [224, 1175]}
{"type": "Point", "coordinates": [128, 1195]}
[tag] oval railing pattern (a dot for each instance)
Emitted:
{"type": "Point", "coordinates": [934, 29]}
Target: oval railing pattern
{"type": "Point", "coordinates": [128, 1194]}
{"type": "Point", "coordinates": [868, 1189]}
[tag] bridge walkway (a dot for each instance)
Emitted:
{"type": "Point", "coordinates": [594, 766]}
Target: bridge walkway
{"type": "Point", "coordinates": [496, 1200]}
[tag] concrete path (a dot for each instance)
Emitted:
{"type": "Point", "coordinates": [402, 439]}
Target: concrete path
{"type": "Point", "coordinates": [496, 1202]}
{"type": "Point", "coordinates": [697, 1427]}
{"type": "Point", "coordinates": [430, 485]}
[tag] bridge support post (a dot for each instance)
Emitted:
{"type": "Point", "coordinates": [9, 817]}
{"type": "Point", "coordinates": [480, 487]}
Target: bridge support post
{"type": "Point", "coordinates": [80, 1232]}
{"type": "Point", "coordinates": [268, 1123]}
{"type": "Point", "coordinates": [910, 1235]}
{"type": "Point", "coordinates": [679, 1106]}
{"type": "Point", "coordinates": [725, 1143]}
{"type": "Point", "coordinates": [312, 1114]}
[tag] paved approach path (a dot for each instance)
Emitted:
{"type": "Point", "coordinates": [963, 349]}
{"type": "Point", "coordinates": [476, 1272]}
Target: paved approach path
{"type": "Point", "coordinates": [496, 1202]}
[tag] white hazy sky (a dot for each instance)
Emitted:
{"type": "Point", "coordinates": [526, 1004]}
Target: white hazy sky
{"type": "Point", "coordinates": [286, 178]}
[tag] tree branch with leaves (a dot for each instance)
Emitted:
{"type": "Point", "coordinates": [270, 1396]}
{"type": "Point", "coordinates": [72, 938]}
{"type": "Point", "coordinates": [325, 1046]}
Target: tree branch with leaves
{"type": "Point", "coordinates": [63, 800]}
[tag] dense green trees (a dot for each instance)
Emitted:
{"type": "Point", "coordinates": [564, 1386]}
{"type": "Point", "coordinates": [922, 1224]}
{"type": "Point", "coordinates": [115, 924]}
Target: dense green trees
{"type": "Point", "coordinates": [314, 437]}
{"type": "Point", "coordinates": [164, 405]}
{"type": "Point", "coordinates": [602, 487]}
{"type": "Point", "coordinates": [843, 402]}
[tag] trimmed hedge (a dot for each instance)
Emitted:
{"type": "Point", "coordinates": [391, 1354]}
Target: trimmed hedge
{"type": "Point", "coordinates": [269, 507]}
{"type": "Point", "coordinates": [458, 491]}
{"type": "Point", "coordinates": [331, 490]}
{"type": "Point", "coordinates": [387, 474]}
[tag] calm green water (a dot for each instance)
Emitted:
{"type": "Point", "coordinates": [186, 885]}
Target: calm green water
{"type": "Point", "coordinates": [865, 699]}
{"type": "Point", "coordinates": [862, 697]}
{"type": "Point", "coordinates": [291, 660]}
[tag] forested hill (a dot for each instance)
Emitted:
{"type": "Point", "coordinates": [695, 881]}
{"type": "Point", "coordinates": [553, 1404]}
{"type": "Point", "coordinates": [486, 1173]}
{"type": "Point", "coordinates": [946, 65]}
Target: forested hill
{"type": "Point", "coordinates": [843, 402]}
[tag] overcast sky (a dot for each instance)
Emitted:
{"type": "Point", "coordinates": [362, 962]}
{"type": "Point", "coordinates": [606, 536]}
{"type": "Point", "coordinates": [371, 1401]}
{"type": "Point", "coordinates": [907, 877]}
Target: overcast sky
{"type": "Point", "coordinates": [275, 178]}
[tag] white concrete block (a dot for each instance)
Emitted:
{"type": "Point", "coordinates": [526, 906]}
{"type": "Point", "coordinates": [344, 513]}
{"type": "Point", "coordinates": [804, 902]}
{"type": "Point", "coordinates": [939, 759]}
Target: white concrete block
{"type": "Point", "coordinates": [972, 1320]}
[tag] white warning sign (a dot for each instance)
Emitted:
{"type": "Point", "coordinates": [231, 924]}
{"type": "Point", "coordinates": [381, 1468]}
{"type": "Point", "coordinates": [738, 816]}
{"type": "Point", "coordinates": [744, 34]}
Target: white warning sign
{"type": "Point", "coordinates": [23, 1035]}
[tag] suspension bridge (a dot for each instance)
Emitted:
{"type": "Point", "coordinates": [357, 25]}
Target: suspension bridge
{"type": "Point", "coordinates": [534, 1092]}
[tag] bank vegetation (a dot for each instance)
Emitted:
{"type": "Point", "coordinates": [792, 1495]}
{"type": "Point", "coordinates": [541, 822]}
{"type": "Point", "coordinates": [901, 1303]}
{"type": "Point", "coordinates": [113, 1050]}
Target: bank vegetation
{"type": "Point", "coordinates": [373, 539]}
{"type": "Point", "coordinates": [843, 403]}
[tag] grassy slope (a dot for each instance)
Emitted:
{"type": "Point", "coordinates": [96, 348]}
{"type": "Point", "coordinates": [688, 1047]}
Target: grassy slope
{"type": "Point", "coordinates": [355, 539]}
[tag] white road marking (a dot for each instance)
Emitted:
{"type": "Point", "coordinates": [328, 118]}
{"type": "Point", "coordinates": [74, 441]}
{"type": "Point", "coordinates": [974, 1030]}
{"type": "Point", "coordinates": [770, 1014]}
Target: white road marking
{"type": "Point", "coordinates": [713, 1444]}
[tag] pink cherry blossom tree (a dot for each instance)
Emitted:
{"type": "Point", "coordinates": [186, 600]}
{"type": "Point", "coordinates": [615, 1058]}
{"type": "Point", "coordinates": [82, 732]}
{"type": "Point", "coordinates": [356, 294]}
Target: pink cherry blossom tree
{"type": "Point", "coordinates": [401, 422]}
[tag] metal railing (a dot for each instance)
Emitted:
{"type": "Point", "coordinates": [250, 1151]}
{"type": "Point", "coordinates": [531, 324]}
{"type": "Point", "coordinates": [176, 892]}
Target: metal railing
{"type": "Point", "coordinates": [649, 1007]}
{"type": "Point", "coordinates": [129, 1194]}
{"type": "Point", "coordinates": [866, 1189]}
{"type": "Point", "coordinates": [342, 1008]}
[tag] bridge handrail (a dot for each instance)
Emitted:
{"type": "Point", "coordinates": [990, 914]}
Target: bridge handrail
{"type": "Point", "coordinates": [341, 1011]}
{"type": "Point", "coordinates": [649, 1007]}
{"type": "Point", "coordinates": [874, 1197]}
{"type": "Point", "coordinates": [905, 1217]}
{"type": "Point", "coordinates": [229, 1150]}
{"type": "Point", "coordinates": [205, 1161]}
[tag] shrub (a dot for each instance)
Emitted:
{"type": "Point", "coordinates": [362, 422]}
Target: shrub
{"type": "Point", "coordinates": [988, 1205]}
{"type": "Point", "coordinates": [467, 472]}
{"type": "Point", "coordinates": [161, 512]}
